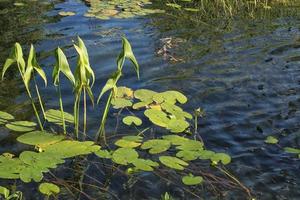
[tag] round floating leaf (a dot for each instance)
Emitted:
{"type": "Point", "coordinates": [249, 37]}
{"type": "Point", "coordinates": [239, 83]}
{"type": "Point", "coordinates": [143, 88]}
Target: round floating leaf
{"type": "Point", "coordinates": [6, 116]}
{"type": "Point", "coordinates": [170, 97]}
{"type": "Point", "coordinates": [4, 191]}
{"type": "Point", "coordinates": [271, 140]}
{"type": "Point", "coordinates": [141, 104]}
{"type": "Point", "coordinates": [192, 180]}
{"type": "Point", "coordinates": [124, 156]}
{"type": "Point", "coordinates": [175, 139]}
{"type": "Point", "coordinates": [144, 95]}
{"type": "Point", "coordinates": [156, 146]}
{"type": "Point", "coordinates": [132, 119]}
{"type": "Point", "coordinates": [188, 155]}
{"type": "Point", "coordinates": [224, 158]}
{"type": "Point", "coordinates": [173, 162]}
{"type": "Point", "coordinates": [54, 116]}
{"type": "Point", "coordinates": [145, 165]}
{"type": "Point", "coordinates": [21, 126]}
{"type": "Point", "coordinates": [120, 103]}
{"type": "Point", "coordinates": [103, 154]}
{"type": "Point", "coordinates": [157, 117]}
{"type": "Point", "coordinates": [175, 111]}
{"type": "Point", "coordinates": [39, 138]}
{"type": "Point", "coordinates": [177, 125]}
{"type": "Point", "coordinates": [10, 167]}
{"type": "Point", "coordinates": [124, 92]}
{"type": "Point", "coordinates": [49, 189]}
{"type": "Point", "coordinates": [191, 145]}
{"type": "Point", "coordinates": [127, 143]}
{"type": "Point", "coordinates": [206, 155]}
{"type": "Point", "coordinates": [133, 138]}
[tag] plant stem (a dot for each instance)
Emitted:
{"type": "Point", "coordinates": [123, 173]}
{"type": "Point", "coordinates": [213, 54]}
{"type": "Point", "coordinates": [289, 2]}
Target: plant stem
{"type": "Point", "coordinates": [84, 112]}
{"type": "Point", "coordinates": [31, 100]}
{"type": "Point", "coordinates": [101, 130]}
{"type": "Point", "coordinates": [61, 109]}
{"type": "Point", "coordinates": [39, 97]}
{"type": "Point", "coordinates": [76, 111]}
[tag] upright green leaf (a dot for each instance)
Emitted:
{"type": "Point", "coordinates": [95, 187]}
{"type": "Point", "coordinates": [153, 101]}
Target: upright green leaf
{"type": "Point", "coordinates": [32, 64]}
{"type": "Point", "coordinates": [62, 65]}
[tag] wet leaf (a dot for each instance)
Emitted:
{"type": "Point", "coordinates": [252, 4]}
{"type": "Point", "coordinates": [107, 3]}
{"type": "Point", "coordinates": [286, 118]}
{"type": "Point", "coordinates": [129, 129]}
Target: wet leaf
{"type": "Point", "coordinates": [21, 126]}
{"type": "Point", "coordinates": [271, 140]}
{"type": "Point", "coordinates": [145, 165]}
{"type": "Point", "coordinates": [192, 180]}
{"type": "Point", "coordinates": [40, 138]}
{"type": "Point", "coordinates": [129, 120]}
{"type": "Point", "coordinates": [173, 162]}
{"type": "Point", "coordinates": [54, 116]}
{"type": "Point", "coordinates": [124, 156]}
{"type": "Point", "coordinates": [49, 189]}
{"type": "Point", "coordinates": [156, 146]}
{"type": "Point", "coordinates": [224, 158]}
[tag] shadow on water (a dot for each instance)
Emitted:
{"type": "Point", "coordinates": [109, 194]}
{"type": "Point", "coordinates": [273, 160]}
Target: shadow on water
{"type": "Point", "coordinates": [243, 71]}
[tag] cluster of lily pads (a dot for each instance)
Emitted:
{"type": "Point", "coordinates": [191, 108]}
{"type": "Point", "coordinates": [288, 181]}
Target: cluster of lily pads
{"type": "Point", "coordinates": [119, 9]}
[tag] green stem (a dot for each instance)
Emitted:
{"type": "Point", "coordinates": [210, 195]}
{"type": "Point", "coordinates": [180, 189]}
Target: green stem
{"type": "Point", "coordinates": [101, 130]}
{"type": "Point", "coordinates": [76, 111]}
{"type": "Point", "coordinates": [84, 112]}
{"type": "Point", "coordinates": [39, 97]}
{"type": "Point", "coordinates": [61, 109]}
{"type": "Point", "coordinates": [31, 100]}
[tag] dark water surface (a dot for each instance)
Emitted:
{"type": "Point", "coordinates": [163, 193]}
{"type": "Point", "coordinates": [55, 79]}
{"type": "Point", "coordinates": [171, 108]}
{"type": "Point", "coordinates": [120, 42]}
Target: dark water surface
{"type": "Point", "coordinates": [244, 73]}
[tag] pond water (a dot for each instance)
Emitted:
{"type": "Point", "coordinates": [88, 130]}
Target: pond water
{"type": "Point", "coordinates": [243, 72]}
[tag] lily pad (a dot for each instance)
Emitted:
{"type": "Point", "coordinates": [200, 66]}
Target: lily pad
{"type": "Point", "coordinates": [177, 125]}
{"type": "Point", "coordinates": [145, 165]}
{"type": "Point", "coordinates": [54, 116]}
{"type": "Point", "coordinates": [21, 126]}
{"type": "Point", "coordinates": [175, 139]}
{"type": "Point", "coordinates": [120, 103]}
{"type": "Point", "coordinates": [188, 155]}
{"type": "Point", "coordinates": [49, 189]}
{"type": "Point", "coordinates": [192, 180]}
{"type": "Point", "coordinates": [124, 156]}
{"type": "Point", "coordinates": [5, 192]}
{"type": "Point", "coordinates": [190, 145]}
{"type": "Point", "coordinates": [271, 140]}
{"type": "Point", "coordinates": [157, 117]}
{"type": "Point", "coordinates": [156, 146]}
{"type": "Point", "coordinates": [129, 120]}
{"type": "Point", "coordinates": [173, 162]}
{"type": "Point", "coordinates": [124, 92]}
{"type": "Point", "coordinates": [39, 138]}
{"type": "Point", "coordinates": [127, 143]}
{"type": "Point", "coordinates": [224, 158]}
{"type": "Point", "coordinates": [6, 116]}
{"type": "Point", "coordinates": [144, 95]}
{"type": "Point", "coordinates": [103, 154]}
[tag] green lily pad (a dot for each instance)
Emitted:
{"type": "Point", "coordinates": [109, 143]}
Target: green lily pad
{"type": "Point", "coordinates": [39, 138]}
{"type": "Point", "coordinates": [49, 189]}
{"type": "Point", "coordinates": [291, 150]}
{"type": "Point", "coordinates": [10, 167]}
{"type": "Point", "coordinates": [124, 92]}
{"type": "Point", "coordinates": [271, 140]}
{"type": "Point", "coordinates": [5, 192]}
{"type": "Point", "coordinates": [188, 155]}
{"type": "Point", "coordinates": [129, 120]}
{"type": "Point", "coordinates": [170, 97]}
{"type": "Point", "coordinates": [224, 158]}
{"type": "Point", "coordinates": [6, 116]}
{"type": "Point", "coordinates": [191, 145]}
{"type": "Point", "coordinates": [206, 154]}
{"type": "Point", "coordinates": [120, 103]}
{"type": "Point", "coordinates": [127, 143]}
{"type": "Point", "coordinates": [124, 156]}
{"type": "Point", "coordinates": [21, 126]}
{"type": "Point", "coordinates": [103, 154]}
{"type": "Point", "coordinates": [145, 165]}
{"type": "Point", "coordinates": [156, 146]}
{"type": "Point", "coordinates": [157, 117]}
{"type": "Point", "coordinates": [173, 162]}
{"type": "Point", "coordinates": [175, 139]}
{"type": "Point", "coordinates": [192, 180]}
{"type": "Point", "coordinates": [54, 116]}
{"type": "Point", "coordinates": [177, 125]}
{"type": "Point", "coordinates": [144, 95]}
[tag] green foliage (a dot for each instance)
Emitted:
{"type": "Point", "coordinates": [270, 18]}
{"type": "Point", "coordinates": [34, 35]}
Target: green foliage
{"type": "Point", "coordinates": [129, 120]}
{"type": "Point", "coordinates": [21, 126]}
{"type": "Point", "coordinates": [55, 116]}
{"type": "Point", "coordinates": [292, 150]}
{"type": "Point", "coordinates": [49, 189]}
{"type": "Point", "coordinates": [192, 180]}
{"type": "Point", "coordinates": [119, 9]}
{"type": "Point", "coordinates": [124, 156]}
{"type": "Point", "coordinates": [221, 157]}
{"type": "Point", "coordinates": [173, 162]}
{"type": "Point", "coordinates": [145, 165]}
{"type": "Point", "coordinates": [271, 140]}
{"type": "Point", "coordinates": [156, 146]}
{"type": "Point", "coordinates": [5, 192]}
{"type": "Point", "coordinates": [5, 117]}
